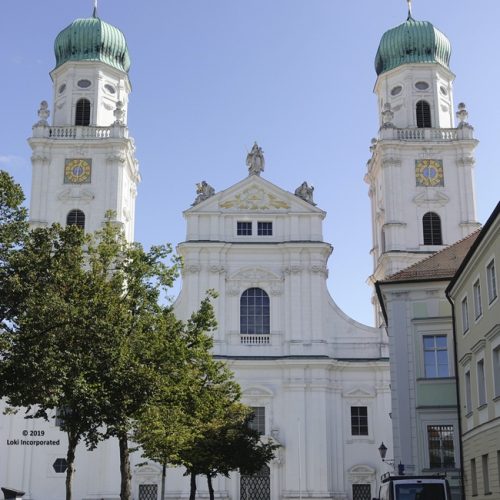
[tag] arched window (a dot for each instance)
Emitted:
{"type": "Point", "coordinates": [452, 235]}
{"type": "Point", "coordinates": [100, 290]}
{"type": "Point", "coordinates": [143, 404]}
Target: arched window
{"type": "Point", "coordinates": [254, 312]}
{"type": "Point", "coordinates": [423, 114]}
{"type": "Point", "coordinates": [82, 114]}
{"type": "Point", "coordinates": [432, 229]}
{"type": "Point", "coordinates": [76, 218]}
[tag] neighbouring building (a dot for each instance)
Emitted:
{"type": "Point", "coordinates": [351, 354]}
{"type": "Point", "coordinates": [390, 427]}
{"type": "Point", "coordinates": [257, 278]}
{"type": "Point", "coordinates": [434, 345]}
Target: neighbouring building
{"type": "Point", "coordinates": [423, 380]}
{"type": "Point", "coordinates": [474, 295]}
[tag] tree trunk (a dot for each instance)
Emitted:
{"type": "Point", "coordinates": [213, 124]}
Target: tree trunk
{"type": "Point", "coordinates": [70, 461]}
{"type": "Point", "coordinates": [163, 481]}
{"type": "Point", "coordinates": [210, 487]}
{"type": "Point", "coordinates": [125, 490]}
{"type": "Point", "coordinates": [192, 492]}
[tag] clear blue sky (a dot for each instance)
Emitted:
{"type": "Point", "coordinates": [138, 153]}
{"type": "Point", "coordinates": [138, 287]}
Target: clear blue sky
{"type": "Point", "coordinates": [211, 76]}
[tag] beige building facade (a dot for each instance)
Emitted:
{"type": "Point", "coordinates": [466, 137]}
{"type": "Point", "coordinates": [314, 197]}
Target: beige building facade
{"type": "Point", "coordinates": [474, 295]}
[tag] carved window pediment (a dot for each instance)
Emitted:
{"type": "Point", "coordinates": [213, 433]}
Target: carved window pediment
{"type": "Point", "coordinates": [254, 276]}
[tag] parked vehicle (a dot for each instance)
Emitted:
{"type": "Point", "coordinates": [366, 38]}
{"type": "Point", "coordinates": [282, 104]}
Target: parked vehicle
{"type": "Point", "coordinates": [414, 488]}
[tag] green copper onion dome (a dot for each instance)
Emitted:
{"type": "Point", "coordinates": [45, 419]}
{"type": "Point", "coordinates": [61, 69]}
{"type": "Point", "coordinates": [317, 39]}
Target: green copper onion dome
{"type": "Point", "coordinates": [412, 42]}
{"type": "Point", "coordinates": [92, 39]}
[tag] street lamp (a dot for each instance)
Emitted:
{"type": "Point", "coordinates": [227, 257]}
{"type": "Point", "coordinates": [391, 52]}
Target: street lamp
{"type": "Point", "coordinates": [382, 449]}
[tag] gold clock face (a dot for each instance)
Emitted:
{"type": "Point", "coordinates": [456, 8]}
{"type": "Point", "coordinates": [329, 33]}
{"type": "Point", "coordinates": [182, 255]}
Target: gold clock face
{"type": "Point", "coordinates": [77, 171]}
{"type": "Point", "coordinates": [429, 172]}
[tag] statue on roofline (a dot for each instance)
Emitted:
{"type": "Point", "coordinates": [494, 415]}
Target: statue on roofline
{"type": "Point", "coordinates": [255, 160]}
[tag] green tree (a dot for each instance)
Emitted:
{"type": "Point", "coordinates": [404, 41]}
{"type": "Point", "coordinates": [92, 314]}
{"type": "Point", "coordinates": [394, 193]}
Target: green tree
{"type": "Point", "coordinates": [227, 444]}
{"type": "Point", "coordinates": [48, 358]}
{"type": "Point", "coordinates": [84, 333]}
{"type": "Point", "coordinates": [169, 423]}
{"type": "Point", "coordinates": [13, 227]}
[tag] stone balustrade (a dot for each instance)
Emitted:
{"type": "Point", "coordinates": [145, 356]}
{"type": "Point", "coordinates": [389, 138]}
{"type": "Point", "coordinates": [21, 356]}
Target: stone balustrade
{"type": "Point", "coordinates": [71, 133]}
{"type": "Point", "coordinates": [427, 134]}
{"type": "Point", "coordinates": [255, 339]}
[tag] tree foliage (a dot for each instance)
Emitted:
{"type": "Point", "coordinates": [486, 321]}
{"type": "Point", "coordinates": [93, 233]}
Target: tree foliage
{"type": "Point", "coordinates": [13, 227]}
{"type": "Point", "coordinates": [83, 333]}
{"type": "Point", "coordinates": [202, 426]}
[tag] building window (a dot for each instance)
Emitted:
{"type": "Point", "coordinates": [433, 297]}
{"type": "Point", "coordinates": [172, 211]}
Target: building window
{"type": "Point", "coordinates": [60, 465]}
{"type": "Point", "coordinates": [76, 218]}
{"type": "Point", "coordinates": [258, 420]}
{"type": "Point", "coordinates": [498, 463]}
{"type": "Point", "coordinates": [478, 308]}
{"type": "Point", "coordinates": [423, 114]}
{"type": "Point", "coordinates": [491, 279]}
{"type": "Point", "coordinates": [473, 476]}
{"type": "Point", "coordinates": [436, 356]}
{"type": "Point", "coordinates": [468, 393]}
{"type": "Point", "coordinates": [481, 383]}
{"type": "Point", "coordinates": [465, 315]}
{"type": "Point", "coordinates": [148, 492]}
{"type": "Point", "coordinates": [496, 370]}
{"type": "Point", "coordinates": [244, 228]}
{"type": "Point", "coordinates": [264, 228]}
{"type": "Point", "coordinates": [431, 224]}
{"type": "Point", "coordinates": [254, 312]}
{"type": "Point", "coordinates": [486, 474]}
{"type": "Point", "coordinates": [441, 449]}
{"type": "Point", "coordinates": [82, 114]}
{"type": "Point", "coordinates": [359, 420]}
{"type": "Point", "coordinates": [361, 492]}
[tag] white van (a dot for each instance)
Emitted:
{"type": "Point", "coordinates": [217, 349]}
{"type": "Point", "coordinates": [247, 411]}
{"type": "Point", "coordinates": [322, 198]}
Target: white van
{"type": "Point", "coordinates": [414, 488]}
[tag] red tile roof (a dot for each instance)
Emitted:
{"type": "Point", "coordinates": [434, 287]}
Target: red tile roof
{"type": "Point", "coordinates": [442, 264]}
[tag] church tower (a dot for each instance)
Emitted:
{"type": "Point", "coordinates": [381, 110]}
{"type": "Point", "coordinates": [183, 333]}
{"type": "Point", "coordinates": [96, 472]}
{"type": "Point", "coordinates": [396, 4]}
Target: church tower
{"type": "Point", "coordinates": [421, 169]}
{"type": "Point", "coordinates": [84, 163]}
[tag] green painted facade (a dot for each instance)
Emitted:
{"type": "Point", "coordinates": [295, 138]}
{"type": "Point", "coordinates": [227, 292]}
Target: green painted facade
{"type": "Point", "coordinates": [436, 392]}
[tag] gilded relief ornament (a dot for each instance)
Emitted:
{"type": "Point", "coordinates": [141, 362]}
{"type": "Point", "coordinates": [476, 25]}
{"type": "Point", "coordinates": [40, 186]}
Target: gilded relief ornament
{"type": "Point", "coordinates": [254, 198]}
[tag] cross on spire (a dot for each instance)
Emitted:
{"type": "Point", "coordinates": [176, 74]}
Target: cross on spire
{"type": "Point", "coordinates": [409, 9]}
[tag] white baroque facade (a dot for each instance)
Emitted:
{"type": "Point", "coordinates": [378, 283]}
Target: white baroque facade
{"type": "Point", "coordinates": [300, 360]}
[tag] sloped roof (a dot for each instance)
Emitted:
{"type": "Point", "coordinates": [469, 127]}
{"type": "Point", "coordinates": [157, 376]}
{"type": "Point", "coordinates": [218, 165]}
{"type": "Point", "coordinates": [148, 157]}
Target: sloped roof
{"type": "Point", "coordinates": [443, 264]}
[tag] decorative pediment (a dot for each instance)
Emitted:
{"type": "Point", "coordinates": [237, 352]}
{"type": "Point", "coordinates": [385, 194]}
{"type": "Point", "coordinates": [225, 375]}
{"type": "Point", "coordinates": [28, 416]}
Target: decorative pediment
{"type": "Point", "coordinates": [257, 392]}
{"type": "Point", "coordinates": [431, 196]}
{"type": "Point", "coordinates": [254, 198]}
{"type": "Point", "coordinates": [254, 274]}
{"type": "Point", "coordinates": [359, 393]}
{"type": "Point", "coordinates": [148, 469]}
{"type": "Point", "coordinates": [72, 194]}
{"type": "Point", "coordinates": [360, 474]}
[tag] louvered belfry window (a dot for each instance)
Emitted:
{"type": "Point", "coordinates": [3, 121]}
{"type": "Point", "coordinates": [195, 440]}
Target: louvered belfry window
{"type": "Point", "coordinates": [423, 114]}
{"type": "Point", "coordinates": [432, 229]}
{"type": "Point", "coordinates": [82, 114]}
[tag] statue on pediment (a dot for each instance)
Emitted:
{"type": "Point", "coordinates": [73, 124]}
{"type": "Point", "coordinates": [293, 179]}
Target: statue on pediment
{"type": "Point", "coordinates": [305, 192]}
{"type": "Point", "coordinates": [203, 192]}
{"type": "Point", "coordinates": [255, 160]}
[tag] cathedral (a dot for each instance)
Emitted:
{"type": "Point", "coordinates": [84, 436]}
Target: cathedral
{"type": "Point", "coordinates": [318, 381]}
